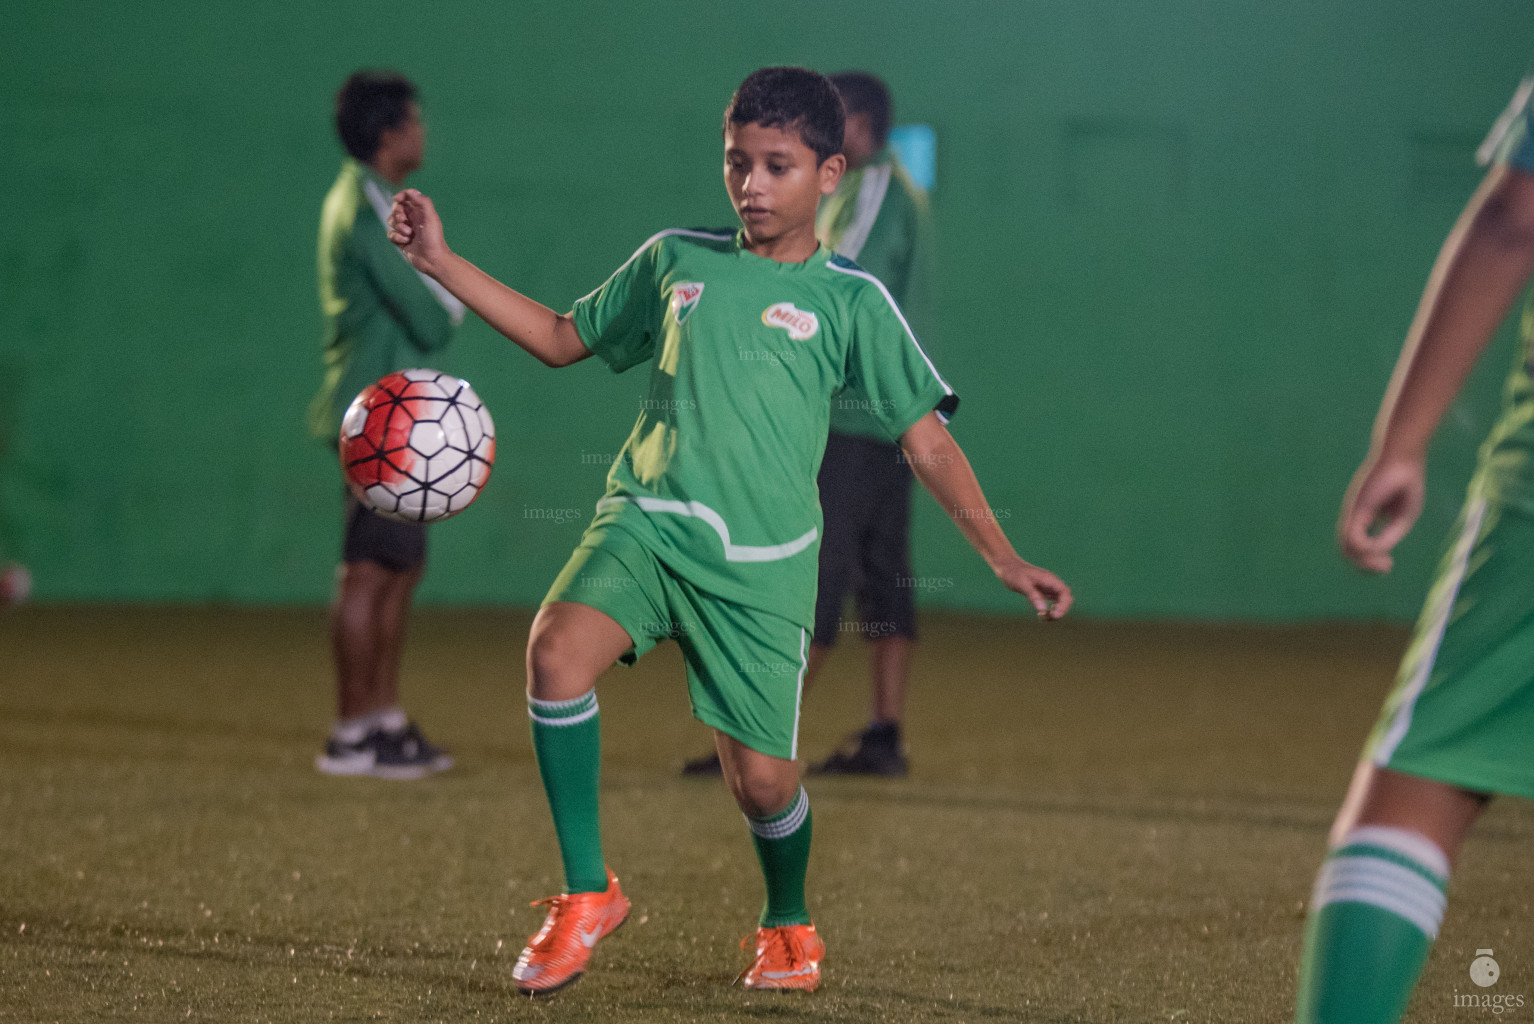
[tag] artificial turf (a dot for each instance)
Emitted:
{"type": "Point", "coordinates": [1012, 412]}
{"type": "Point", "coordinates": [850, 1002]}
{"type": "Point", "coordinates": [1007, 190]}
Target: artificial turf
{"type": "Point", "coordinates": [1104, 822]}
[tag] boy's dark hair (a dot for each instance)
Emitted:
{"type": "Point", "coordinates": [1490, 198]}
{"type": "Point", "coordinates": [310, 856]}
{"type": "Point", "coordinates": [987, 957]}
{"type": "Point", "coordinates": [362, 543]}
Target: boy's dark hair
{"type": "Point", "coordinates": [796, 99]}
{"type": "Point", "coordinates": [369, 104]}
{"type": "Point", "coordinates": [867, 94]}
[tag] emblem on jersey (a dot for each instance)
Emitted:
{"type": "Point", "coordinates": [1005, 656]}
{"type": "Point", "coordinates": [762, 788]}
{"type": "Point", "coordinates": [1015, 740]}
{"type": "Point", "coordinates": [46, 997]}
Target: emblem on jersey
{"type": "Point", "coordinates": [800, 324]}
{"type": "Point", "coordinates": [684, 299]}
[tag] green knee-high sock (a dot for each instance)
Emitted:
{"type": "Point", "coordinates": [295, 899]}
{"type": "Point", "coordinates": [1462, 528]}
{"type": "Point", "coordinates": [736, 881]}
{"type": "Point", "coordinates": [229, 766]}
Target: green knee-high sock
{"type": "Point", "coordinates": [567, 740]}
{"type": "Point", "coordinates": [1376, 909]}
{"type": "Point", "coordinates": [783, 846]}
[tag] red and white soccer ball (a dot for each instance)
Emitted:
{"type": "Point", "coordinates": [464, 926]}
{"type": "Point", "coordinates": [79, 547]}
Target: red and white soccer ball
{"type": "Point", "coordinates": [417, 446]}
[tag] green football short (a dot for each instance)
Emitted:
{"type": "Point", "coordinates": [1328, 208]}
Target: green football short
{"type": "Point", "coordinates": [1462, 710]}
{"type": "Point", "coordinates": [745, 667]}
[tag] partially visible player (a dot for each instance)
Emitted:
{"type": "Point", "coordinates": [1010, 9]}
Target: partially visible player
{"type": "Point", "coordinates": [1459, 725]}
{"type": "Point", "coordinates": [15, 579]}
{"type": "Point", "coordinates": [878, 218]}
{"type": "Point", "coordinates": [380, 316]}
{"type": "Point", "coordinates": [709, 528]}
{"type": "Point", "coordinates": [15, 584]}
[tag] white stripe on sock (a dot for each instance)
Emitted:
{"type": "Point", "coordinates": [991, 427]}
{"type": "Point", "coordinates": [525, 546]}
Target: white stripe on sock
{"type": "Point", "coordinates": [788, 824]}
{"type": "Point", "coordinates": [572, 720]}
{"type": "Point", "coordinates": [1418, 919]}
{"type": "Point", "coordinates": [587, 700]}
{"type": "Point", "coordinates": [1414, 846]}
{"type": "Point", "coordinates": [390, 720]}
{"type": "Point", "coordinates": [351, 731]}
{"type": "Point", "coordinates": [1392, 887]}
{"type": "Point", "coordinates": [563, 705]}
{"type": "Point", "coordinates": [1387, 877]}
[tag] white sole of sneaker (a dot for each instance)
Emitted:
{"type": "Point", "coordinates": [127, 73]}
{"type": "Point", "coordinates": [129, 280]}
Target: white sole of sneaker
{"type": "Point", "coordinates": [343, 765]}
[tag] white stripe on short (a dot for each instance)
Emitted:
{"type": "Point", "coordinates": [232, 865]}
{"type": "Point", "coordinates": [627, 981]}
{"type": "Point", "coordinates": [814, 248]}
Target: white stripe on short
{"type": "Point", "coordinates": [1475, 512]}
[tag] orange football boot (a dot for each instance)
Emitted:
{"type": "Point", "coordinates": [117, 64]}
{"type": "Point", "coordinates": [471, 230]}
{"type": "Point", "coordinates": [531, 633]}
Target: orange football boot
{"type": "Point", "coordinates": [786, 957]}
{"type": "Point", "coordinates": [557, 955]}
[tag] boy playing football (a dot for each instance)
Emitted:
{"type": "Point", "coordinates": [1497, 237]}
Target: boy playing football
{"type": "Point", "coordinates": [709, 528]}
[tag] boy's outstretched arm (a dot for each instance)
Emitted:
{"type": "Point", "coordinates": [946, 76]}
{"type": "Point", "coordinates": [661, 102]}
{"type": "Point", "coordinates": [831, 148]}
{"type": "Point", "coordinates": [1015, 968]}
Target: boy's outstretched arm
{"type": "Point", "coordinates": [549, 337]}
{"type": "Point", "coordinates": [940, 465]}
{"type": "Point", "coordinates": [1483, 265]}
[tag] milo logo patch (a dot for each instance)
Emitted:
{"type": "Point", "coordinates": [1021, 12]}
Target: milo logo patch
{"type": "Point", "coordinates": [800, 324]}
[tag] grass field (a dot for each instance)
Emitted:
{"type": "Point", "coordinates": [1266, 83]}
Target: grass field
{"type": "Point", "coordinates": [1104, 822]}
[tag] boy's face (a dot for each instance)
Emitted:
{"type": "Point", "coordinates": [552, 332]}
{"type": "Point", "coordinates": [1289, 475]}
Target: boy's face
{"type": "Point", "coordinates": [858, 140]}
{"type": "Point", "coordinates": [406, 141]}
{"type": "Point", "coordinates": [774, 180]}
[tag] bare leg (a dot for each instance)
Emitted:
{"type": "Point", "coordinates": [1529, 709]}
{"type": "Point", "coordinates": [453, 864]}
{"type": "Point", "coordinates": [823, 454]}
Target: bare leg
{"type": "Point", "coordinates": [891, 669]}
{"type": "Point", "coordinates": [568, 646]}
{"type": "Point", "coordinates": [354, 636]}
{"type": "Point", "coordinates": [392, 616]}
{"type": "Point", "coordinates": [1437, 810]}
{"type": "Point", "coordinates": [762, 785]}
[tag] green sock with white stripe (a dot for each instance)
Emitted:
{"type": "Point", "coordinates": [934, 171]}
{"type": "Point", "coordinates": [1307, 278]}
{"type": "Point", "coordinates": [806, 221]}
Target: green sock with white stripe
{"type": "Point", "coordinates": [567, 740]}
{"type": "Point", "coordinates": [1376, 909]}
{"type": "Point", "coordinates": [783, 846]}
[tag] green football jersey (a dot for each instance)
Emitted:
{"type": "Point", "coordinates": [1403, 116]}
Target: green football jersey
{"type": "Point", "coordinates": [380, 314]}
{"type": "Point", "coordinates": [745, 353]}
{"type": "Point", "coordinates": [879, 218]}
{"type": "Point", "coordinates": [1507, 457]}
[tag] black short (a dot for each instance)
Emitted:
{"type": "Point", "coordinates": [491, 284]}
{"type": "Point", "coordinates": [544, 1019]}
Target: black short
{"type": "Point", "coordinates": [865, 495]}
{"type": "Point", "coordinates": [398, 547]}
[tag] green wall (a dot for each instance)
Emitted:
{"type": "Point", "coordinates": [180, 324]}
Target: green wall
{"type": "Point", "coordinates": [1180, 243]}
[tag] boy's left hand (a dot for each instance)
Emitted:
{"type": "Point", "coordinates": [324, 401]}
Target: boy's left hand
{"type": "Point", "coordinates": [1050, 597]}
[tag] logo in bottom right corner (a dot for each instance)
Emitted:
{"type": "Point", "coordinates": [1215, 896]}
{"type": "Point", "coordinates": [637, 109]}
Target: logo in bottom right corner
{"type": "Point", "coordinates": [1485, 972]}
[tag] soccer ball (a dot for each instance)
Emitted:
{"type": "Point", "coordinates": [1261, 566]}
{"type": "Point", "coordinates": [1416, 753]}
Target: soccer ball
{"type": "Point", "coordinates": [417, 446]}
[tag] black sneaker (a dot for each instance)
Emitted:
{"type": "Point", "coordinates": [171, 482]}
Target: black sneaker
{"type": "Point", "coordinates": [874, 751]}
{"type": "Point", "coordinates": [707, 766]}
{"type": "Point", "coordinates": [407, 755]}
{"type": "Point", "coordinates": [348, 758]}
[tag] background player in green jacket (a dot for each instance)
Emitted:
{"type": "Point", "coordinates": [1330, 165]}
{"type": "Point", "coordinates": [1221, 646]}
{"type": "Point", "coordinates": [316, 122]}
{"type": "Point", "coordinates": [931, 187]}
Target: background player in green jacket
{"type": "Point", "coordinates": [709, 529]}
{"type": "Point", "coordinates": [1459, 725]}
{"type": "Point", "coordinates": [381, 315]}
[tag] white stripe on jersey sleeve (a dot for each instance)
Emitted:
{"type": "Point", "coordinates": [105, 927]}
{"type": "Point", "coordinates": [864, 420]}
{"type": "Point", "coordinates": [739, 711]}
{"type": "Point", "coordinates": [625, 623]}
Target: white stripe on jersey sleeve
{"type": "Point", "coordinates": [908, 332]}
{"type": "Point", "coordinates": [651, 241]}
